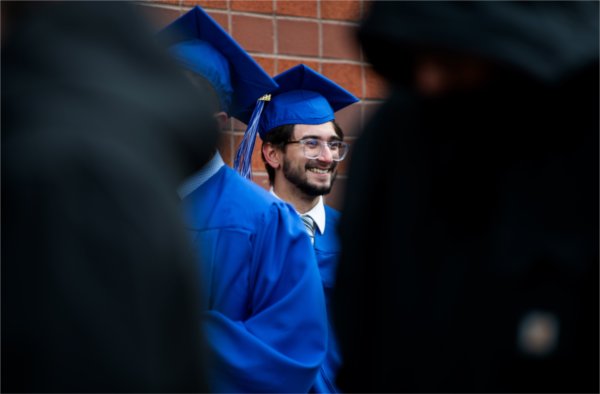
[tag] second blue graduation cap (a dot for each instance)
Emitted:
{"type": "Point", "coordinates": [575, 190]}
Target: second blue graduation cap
{"type": "Point", "coordinates": [303, 97]}
{"type": "Point", "coordinates": [202, 46]}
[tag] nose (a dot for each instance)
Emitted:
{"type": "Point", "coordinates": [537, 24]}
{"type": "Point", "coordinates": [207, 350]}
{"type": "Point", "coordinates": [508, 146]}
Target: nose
{"type": "Point", "coordinates": [326, 156]}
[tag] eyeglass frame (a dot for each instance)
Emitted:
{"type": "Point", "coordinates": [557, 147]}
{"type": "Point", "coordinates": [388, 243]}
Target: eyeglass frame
{"type": "Point", "coordinates": [322, 143]}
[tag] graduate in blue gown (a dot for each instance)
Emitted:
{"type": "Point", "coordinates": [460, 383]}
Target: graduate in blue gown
{"type": "Point", "coordinates": [302, 147]}
{"type": "Point", "coordinates": [265, 320]}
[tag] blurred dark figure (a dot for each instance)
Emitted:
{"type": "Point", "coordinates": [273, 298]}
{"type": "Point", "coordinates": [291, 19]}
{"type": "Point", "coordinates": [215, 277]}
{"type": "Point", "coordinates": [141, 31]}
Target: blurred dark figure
{"type": "Point", "coordinates": [99, 293]}
{"type": "Point", "coordinates": [470, 225]}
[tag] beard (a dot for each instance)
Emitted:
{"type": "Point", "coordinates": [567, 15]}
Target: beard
{"type": "Point", "coordinates": [297, 176]}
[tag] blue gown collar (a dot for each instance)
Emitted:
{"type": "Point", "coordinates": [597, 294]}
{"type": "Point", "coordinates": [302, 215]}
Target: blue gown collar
{"type": "Point", "coordinates": [200, 177]}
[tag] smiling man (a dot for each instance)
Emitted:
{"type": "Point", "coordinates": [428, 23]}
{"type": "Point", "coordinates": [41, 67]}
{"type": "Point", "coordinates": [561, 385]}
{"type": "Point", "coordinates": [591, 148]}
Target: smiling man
{"type": "Point", "coordinates": [302, 160]}
{"type": "Point", "coordinates": [302, 147]}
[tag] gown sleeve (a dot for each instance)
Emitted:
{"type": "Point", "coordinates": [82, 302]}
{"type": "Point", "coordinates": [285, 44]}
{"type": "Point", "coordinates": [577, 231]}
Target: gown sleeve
{"type": "Point", "coordinates": [280, 346]}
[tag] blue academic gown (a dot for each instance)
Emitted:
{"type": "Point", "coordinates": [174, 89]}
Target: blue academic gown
{"type": "Point", "coordinates": [327, 250]}
{"type": "Point", "coordinates": [266, 324]}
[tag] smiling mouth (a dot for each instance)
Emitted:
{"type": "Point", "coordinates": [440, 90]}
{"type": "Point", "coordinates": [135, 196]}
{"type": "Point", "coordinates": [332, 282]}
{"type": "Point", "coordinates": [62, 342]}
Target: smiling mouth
{"type": "Point", "coordinates": [319, 171]}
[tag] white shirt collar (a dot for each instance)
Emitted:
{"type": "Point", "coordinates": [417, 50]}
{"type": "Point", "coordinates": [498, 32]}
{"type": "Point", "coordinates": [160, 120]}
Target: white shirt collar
{"type": "Point", "coordinates": [200, 177]}
{"type": "Point", "coordinates": [317, 212]}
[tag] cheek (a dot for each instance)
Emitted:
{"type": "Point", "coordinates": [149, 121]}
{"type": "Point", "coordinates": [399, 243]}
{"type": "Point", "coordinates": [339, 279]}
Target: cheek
{"type": "Point", "coordinates": [295, 165]}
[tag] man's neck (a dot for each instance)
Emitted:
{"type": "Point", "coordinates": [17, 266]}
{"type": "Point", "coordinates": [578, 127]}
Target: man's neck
{"type": "Point", "coordinates": [299, 200]}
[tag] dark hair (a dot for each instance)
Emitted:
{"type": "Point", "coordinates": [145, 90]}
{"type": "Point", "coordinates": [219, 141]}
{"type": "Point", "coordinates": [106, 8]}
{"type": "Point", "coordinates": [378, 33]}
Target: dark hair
{"type": "Point", "coordinates": [278, 136]}
{"type": "Point", "coordinates": [205, 86]}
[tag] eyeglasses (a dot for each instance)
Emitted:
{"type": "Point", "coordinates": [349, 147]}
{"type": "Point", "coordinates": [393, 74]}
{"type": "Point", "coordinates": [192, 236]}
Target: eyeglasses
{"type": "Point", "coordinates": [313, 147]}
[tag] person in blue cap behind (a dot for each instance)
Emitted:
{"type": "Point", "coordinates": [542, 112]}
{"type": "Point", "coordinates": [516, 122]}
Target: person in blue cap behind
{"type": "Point", "coordinates": [266, 321]}
{"type": "Point", "coordinates": [302, 146]}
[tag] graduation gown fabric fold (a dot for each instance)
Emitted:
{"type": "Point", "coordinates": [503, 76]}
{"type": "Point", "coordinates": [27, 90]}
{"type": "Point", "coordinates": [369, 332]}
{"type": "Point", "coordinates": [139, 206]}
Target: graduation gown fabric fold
{"type": "Point", "coordinates": [265, 320]}
{"type": "Point", "coordinates": [327, 250]}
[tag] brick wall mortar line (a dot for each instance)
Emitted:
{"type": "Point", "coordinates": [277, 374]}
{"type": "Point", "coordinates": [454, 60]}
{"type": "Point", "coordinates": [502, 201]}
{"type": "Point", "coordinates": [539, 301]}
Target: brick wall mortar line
{"type": "Point", "coordinates": [309, 58]}
{"type": "Point", "coordinates": [275, 38]}
{"type": "Point", "coordinates": [295, 18]}
{"type": "Point", "coordinates": [229, 21]}
{"type": "Point", "coordinates": [339, 23]}
{"type": "Point", "coordinates": [362, 15]}
{"type": "Point", "coordinates": [288, 17]}
{"type": "Point", "coordinates": [276, 49]}
{"type": "Point", "coordinates": [320, 32]}
{"type": "Point", "coordinates": [320, 36]}
{"type": "Point", "coordinates": [299, 18]}
{"type": "Point", "coordinates": [212, 11]}
{"type": "Point", "coordinates": [163, 6]}
{"type": "Point", "coordinates": [255, 15]}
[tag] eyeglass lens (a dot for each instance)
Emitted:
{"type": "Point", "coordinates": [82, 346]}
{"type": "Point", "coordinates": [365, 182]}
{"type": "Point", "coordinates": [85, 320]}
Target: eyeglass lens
{"type": "Point", "coordinates": [313, 149]}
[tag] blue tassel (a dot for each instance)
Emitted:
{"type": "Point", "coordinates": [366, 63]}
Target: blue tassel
{"type": "Point", "coordinates": [243, 156]}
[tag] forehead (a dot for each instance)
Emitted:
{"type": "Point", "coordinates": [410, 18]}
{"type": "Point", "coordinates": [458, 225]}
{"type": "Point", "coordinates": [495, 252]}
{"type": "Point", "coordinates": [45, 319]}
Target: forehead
{"type": "Point", "coordinates": [324, 130]}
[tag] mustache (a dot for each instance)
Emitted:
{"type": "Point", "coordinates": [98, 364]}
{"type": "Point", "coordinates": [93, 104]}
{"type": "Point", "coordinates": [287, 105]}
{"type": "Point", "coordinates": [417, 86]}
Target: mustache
{"type": "Point", "coordinates": [315, 164]}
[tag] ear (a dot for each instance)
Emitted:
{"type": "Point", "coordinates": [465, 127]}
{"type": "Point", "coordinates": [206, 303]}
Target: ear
{"type": "Point", "coordinates": [273, 155]}
{"type": "Point", "coordinates": [221, 118]}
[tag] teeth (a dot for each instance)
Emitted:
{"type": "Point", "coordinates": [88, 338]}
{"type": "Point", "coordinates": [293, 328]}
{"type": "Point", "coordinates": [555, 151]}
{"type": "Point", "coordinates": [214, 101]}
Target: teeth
{"type": "Point", "coordinates": [319, 171]}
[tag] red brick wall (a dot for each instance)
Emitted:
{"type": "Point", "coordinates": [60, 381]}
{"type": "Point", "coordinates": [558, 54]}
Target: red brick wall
{"type": "Point", "coordinates": [282, 33]}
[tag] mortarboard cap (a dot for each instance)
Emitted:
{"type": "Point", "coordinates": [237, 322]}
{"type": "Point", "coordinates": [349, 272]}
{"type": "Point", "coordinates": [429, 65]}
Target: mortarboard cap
{"type": "Point", "coordinates": [304, 97]}
{"type": "Point", "coordinates": [202, 46]}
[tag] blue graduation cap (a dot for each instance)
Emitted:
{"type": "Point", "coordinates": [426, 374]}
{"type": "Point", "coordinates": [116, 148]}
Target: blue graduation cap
{"type": "Point", "coordinates": [202, 46]}
{"type": "Point", "coordinates": [304, 97]}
